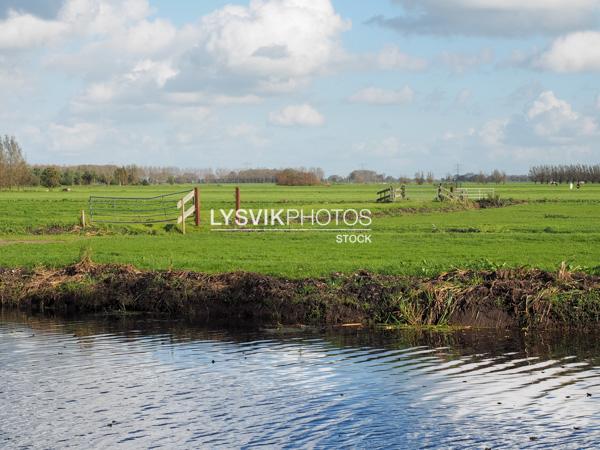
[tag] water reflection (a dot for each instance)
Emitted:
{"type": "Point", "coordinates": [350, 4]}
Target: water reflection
{"type": "Point", "coordinates": [148, 383]}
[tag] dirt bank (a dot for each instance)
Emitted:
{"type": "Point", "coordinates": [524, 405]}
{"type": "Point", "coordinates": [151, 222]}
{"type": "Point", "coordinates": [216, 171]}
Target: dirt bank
{"type": "Point", "coordinates": [501, 298]}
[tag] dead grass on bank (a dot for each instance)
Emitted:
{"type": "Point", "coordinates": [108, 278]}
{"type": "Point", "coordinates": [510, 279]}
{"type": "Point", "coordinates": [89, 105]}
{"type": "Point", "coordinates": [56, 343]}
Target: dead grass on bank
{"type": "Point", "coordinates": [483, 298]}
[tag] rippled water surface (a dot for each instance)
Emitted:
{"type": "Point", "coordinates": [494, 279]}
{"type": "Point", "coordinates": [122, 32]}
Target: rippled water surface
{"type": "Point", "coordinates": [145, 384]}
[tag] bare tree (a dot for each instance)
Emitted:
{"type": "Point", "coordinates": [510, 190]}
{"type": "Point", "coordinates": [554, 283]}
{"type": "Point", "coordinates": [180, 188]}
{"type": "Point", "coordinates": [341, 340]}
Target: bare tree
{"type": "Point", "coordinates": [13, 167]}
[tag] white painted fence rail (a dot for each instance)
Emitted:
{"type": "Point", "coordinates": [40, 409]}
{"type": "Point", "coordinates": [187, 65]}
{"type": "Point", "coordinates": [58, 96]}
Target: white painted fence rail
{"type": "Point", "coordinates": [185, 213]}
{"type": "Point", "coordinates": [475, 193]}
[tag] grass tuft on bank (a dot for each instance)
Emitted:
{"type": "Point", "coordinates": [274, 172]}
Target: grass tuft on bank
{"type": "Point", "coordinates": [497, 298]}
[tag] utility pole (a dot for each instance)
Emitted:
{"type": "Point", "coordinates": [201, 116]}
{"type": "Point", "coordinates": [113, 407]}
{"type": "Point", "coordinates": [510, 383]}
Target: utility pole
{"type": "Point", "coordinates": [457, 173]}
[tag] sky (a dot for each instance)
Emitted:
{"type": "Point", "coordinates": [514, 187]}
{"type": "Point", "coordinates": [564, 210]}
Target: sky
{"type": "Point", "coordinates": [396, 86]}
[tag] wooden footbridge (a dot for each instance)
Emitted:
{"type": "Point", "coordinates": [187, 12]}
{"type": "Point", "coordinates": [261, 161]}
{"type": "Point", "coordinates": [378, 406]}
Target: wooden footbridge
{"type": "Point", "coordinates": [442, 193]}
{"type": "Point", "coordinates": [391, 194]}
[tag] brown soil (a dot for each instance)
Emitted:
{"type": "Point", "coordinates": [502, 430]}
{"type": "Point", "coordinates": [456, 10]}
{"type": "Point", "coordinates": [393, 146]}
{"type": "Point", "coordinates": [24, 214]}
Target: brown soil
{"type": "Point", "coordinates": [500, 298]}
{"type": "Point", "coordinates": [449, 207]}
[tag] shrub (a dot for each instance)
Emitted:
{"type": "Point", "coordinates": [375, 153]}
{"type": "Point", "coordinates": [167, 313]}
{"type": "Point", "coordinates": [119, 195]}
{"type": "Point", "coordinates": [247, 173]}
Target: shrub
{"type": "Point", "coordinates": [293, 177]}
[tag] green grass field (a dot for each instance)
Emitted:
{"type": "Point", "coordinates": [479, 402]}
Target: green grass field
{"type": "Point", "coordinates": [418, 236]}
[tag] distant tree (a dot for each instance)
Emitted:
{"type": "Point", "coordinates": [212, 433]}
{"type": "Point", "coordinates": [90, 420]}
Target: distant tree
{"type": "Point", "coordinates": [294, 177]}
{"type": "Point", "coordinates": [120, 176]}
{"type": "Point", "coordinates": [318, 173]}
{"type": "Point", "coordinates": [419, 178]}
{"type": "Point", "coordinates": [66, 178]}
{"type": "Point", "coordinates": [365, 176]}
{"type": "Point", "coordinates": [13, 167]}
{"type": "Point", "coordinates": [87, 177]}
{"type": "Point", "coordinates": [498, 177]}
{"type": "Point", "coordinates": [133, 174]}
{"type": "Point", "coordinates": [50, 177]}
{"type": "Point", "coordinates": [34, 176]}
{"type": "Point", "coordinates": [565, 173]}
{"type": "Point", "coordinates": [335, 179]}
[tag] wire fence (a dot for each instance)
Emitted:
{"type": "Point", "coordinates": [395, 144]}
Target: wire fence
{"type": "Point", "coordinates": [135, 210]}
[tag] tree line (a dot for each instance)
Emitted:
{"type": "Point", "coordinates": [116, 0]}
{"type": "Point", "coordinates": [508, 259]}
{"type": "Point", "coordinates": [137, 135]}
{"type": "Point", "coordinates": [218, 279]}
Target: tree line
{"type": "Point", "coordinates": [565, 173]}
{"type": "Point", "coordinates": [15, 172]}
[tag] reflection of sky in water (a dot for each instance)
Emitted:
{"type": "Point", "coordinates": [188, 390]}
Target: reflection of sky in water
{"type": "Point", "coordinates": [163, 389]}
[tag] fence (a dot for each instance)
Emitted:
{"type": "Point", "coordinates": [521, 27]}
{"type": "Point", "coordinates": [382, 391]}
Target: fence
{"type": "Point", "coordinates": [404, 192]}
{"type": "Point", "coordinates": [474, 193]}
{"type": "Point", "coordinates": [167, 208]}
{"type": "Point", "coordinates": [386, 195]}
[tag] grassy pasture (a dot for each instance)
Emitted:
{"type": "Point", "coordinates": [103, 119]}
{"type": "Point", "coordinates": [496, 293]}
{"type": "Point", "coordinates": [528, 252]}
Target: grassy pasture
{"type": "Point", "coordinates": [418, 236]}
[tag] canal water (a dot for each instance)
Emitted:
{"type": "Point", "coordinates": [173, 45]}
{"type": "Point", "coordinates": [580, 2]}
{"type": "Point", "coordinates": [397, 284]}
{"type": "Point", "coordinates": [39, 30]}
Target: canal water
{"type": "Point", "coordinates": [139, 383]}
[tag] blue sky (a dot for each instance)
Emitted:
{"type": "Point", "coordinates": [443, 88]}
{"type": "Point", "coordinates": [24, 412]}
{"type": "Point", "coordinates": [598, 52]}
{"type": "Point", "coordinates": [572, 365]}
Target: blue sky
{"type": "Point", "coordinates": [397, 86]}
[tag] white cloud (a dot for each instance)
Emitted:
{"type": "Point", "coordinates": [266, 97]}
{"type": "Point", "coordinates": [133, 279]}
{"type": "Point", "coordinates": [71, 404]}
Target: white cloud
{"type": "Point", "coordinates": [149, 37]}
{"type": "Point", "coordinates": [548, 122]}
{"type": "Point", "coordinates": [99, 93]}
{"type": "Point", "coordinates": [302, 115]}
{"type": "Point", "coordinates": [385, 148]}
{"type": "Point", "coordinates": [249, 133]}
{"type": "Point", "coordinates": [274, 39]}
{"type": "Point", "coordinates": [20, 31]}
{"type": "Point", "coordinates": [137, 87]}
{"type": "Point", "coordinates": [85, 18]}
{"type": "Point", "coordinates": [378, 96]}
{"type": "Point", "coordinates": [493, 132]}
{"type": "Point", "coordinates": [13, 77]}
{"type": "Point", "coordinates": [492, 17]}
{"type": "Point", "coordinates": [76, 138]}
{"type": "Point", "coordinates": [392, 58]}
{"type": "Point", "coordinates": [102, 17]}
{"type": "Point", "coordinates": [548, 130]}
{"type": "Point", "coordinates": [230, 56]}
{"type": "Point", "coordinates": [158, 71]}
{"type": "Point", "coordinates": [575, 52]}
{"type": "Point", "coordinates": [200, 97]}
{"type": "Point", "coordinates": [552, 117]}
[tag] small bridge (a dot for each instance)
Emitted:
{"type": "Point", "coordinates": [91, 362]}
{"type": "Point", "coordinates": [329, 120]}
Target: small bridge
{"type": "Point", "coordinates": [462, 194]}
{"type": "Point", "coordinates": [390, 194]}
{"type": "Point", "coordinates": [475, 193]}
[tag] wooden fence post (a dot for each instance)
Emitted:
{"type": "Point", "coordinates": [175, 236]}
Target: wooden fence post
{"type": "Point", "coordinates": [82, 218]}
{"type": "Point", "coordinates": [182, 216]}
{"type": "Point", "coordinates": [197, 205]}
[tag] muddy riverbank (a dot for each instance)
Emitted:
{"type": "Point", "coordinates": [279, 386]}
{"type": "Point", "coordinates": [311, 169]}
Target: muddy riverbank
{"type": "Point", "coordinates": [494, 298]}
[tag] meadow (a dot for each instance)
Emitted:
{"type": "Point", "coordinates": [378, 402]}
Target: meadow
{"type": "Point", "coordinates": [418, 236]}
